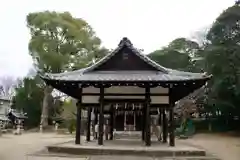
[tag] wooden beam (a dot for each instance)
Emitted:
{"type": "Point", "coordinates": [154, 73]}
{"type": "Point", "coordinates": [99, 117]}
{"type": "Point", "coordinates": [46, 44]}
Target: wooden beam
{"type": "Point", "coordinates": [89, 124]}
{"type": "Point", "coordinates": [101, 117]}
{"type": "Point", "coordinates": [124, 94]}
{"type": "Point", "coordinates": [110, 101]}
{"type": "Point", "coordinates": [97, 105]}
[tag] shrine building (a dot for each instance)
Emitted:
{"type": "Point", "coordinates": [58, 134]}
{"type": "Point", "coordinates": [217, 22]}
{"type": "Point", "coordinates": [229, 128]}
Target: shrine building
{"type": "Point", "coordinates": [130, 88]}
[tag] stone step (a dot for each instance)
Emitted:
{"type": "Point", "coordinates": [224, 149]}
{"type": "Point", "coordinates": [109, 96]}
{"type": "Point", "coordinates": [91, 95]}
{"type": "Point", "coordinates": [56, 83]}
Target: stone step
{"type": "Point", "coordinates": [149, 158]}
{"type": "Point", "coordinates": [130, 135]}
{"type": "Point", "coordinates": [58, 156]}
{"type": "Point", "coordinates": [126, 135]}
{"type": "Point", "coordinates": [102, 150]}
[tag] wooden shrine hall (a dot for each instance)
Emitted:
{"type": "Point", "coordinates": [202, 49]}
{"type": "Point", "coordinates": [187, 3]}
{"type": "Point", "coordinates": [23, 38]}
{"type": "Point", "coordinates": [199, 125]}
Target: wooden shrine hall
{"type": "Point", "coordinates": [127, 76]}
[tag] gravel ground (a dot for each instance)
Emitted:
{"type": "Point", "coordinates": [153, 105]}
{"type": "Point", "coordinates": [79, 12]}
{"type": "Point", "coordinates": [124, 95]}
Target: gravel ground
{"type": "Point", "coordinates": [13, 147]}
{"type": "Point", "coordinates": [17, 147]}
{"type": "Point", "coordinates": [222, 146]}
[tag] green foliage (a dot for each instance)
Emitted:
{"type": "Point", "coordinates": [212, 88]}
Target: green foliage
{"type": "Point", "coordinates": [219, 56]}
{"type": "Point", "coordinates": [71, 125]}
{"type": "Point", "coordinates": [29, 99]}
{"type": "Point", "coordinates": [222, 59]}
{"type": "Point", "coordinates": [69, 109]}
{"type": "Point", "coordinates": [171, 59]}
{"type": "Point", "coordinates": [60, 41]}
{"type": "Point", "coordinates": [69, 114]}
{"type": "Point", "coordinates": [178, 54]}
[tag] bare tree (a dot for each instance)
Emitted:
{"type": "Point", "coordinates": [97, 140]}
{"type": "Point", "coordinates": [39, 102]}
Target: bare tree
{"type": "Point", "coordinates": [188, 104]}
{"type": "Point", "coordinates": [7, 85]}
{"type": "Point", "coordinates": [200, 36]}
{"type": "Point", "coordinates": [32, 72]}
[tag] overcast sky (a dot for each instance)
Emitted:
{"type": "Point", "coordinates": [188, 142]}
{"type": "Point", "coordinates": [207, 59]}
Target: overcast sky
{"type": "Point", "coordinates": [149, 24]}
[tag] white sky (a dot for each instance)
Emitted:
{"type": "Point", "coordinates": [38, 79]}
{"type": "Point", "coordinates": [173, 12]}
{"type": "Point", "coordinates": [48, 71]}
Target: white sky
{"type": "Point", "coordinates": [149, 24]}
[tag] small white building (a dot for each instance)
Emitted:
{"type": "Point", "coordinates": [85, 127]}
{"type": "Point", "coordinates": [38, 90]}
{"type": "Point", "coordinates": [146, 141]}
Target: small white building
{"type": "Point", "coordinates": [5, 106]}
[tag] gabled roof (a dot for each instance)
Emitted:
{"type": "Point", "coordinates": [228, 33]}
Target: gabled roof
{"type": "Point", "coordinates": [4, 118]}
{"type": "Point", "coordinates": [159, 74]}
{"type": "Point", "coordinates": [126, 42]}
{"type": "Point", "coordinates": [17, 114]}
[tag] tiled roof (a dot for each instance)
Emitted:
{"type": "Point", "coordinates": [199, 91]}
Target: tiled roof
{"type": "Point", "coordinates": [18, 114]}
{"type": "Point", "coordinates": [161, 74]}
{"type": "Point", "coordinates": [5, 98]}
{"type": "Point", "coordinates": [4, 118]}
{"type": "Point", "coordinates": [125, 76]}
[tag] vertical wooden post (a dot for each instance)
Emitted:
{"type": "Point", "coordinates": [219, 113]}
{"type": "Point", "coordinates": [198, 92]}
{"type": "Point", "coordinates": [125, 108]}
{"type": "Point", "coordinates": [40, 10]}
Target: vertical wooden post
{"type": "Point", "coordinates": [164, 125]}
{"type": "Point", "coordinates": [171, 117]}
{"type": "Point", "coordinates": [160, 117]}
{"type": "Point", "coordinates": [89, 124]}
{"type": "Point", "coordinates": [111, 122]}
{"type": "Point", "coordinates": [143, 122]}
{"type": "Point", "coordinates": [160, 124]}
{"type": "Point", "coordinates": [101, 117]}
{"type": "Point", "coordinates": [125, 119]}
{"type": "Point", "coordinates": [148, 123]}
{"type": "Point", "coordinates": [96, 116]}
{"type": "Point", "coordinates": [134, 120]}
{"type": "Point", "coordinates": [114, 118]}
{"type": "Point", "coordinates": [78, 127]}
{"type": "Point", "coordinates": [171, 128]}
{"type": "Point", "coordinates": [95, 122]}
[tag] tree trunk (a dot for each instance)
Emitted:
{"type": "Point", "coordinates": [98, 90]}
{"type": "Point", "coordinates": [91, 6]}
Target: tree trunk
{"type": "Point", "coordinates": [45, 108]}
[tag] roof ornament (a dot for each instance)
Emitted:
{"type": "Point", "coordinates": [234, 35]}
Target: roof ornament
{"type": "Point", "coordinates": [125, 41]}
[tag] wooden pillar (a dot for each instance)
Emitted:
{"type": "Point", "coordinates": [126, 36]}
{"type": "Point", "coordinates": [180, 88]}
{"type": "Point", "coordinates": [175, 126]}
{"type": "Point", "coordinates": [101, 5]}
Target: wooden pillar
{"type": "Point", "coordinates": [96, 116]}
{"type": "Point", "coordinates": [134, 120]}
{"type": "Point", "coordinates": [164, 122]}
{"type": "Point", "coordinates": [160, 124]}
{"type": "Point", "coordinates": [106, 130]}
{"type": "Point", "coordinates": [171, 127]}
{"type": "Point", "coordinates": [171, 117]}
{"type": "Point", "coordinates": [125, 117]}
{"type": "Point", "coordinates": [160, 117]}
{"type": "Point", "coordinates": [95, 122]}
{"type": "Point", "coordinates": [114, 117]}
{"type": "Point", "coordinates": [143, 122]}
{"type": "Point", "coordinates": [148, 122]}
{"type": "Point", "coordinates": [89, 124]}
{"type": "Point", "coordinates": [112, 122]}
{"type": "Point", "coordinates": [78, 125]}
{"type": "Point", "coordinates": [101, 116]}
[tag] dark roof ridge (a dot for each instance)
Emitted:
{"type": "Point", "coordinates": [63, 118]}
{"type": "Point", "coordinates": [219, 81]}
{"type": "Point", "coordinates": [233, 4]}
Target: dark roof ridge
{"type": "Point", "coordinates": [126, 42]}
